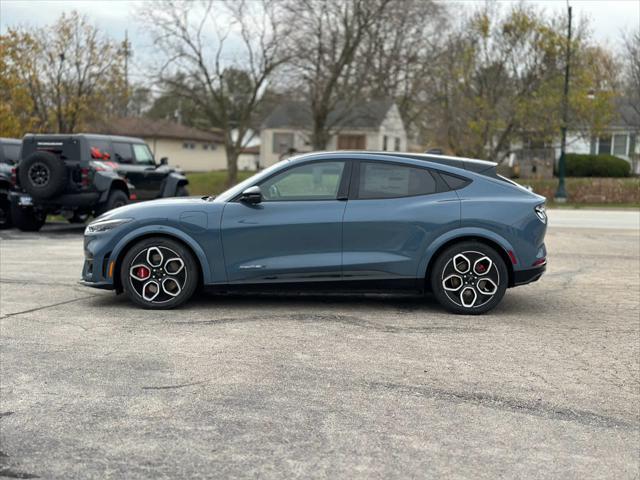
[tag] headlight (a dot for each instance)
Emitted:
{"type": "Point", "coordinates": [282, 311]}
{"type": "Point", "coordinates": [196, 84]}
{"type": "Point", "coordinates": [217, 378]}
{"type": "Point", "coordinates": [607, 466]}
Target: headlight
{"type": "Point", "coordinates": [105, 225]}
{"type": "Point", "coordinates": [541, 212]}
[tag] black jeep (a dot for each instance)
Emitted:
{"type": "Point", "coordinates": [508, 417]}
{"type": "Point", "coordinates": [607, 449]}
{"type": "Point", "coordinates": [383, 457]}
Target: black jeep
{"type": "Point", "coordinates": [85, 174]}
{"type": "Point", "coordinates": [9, 155]}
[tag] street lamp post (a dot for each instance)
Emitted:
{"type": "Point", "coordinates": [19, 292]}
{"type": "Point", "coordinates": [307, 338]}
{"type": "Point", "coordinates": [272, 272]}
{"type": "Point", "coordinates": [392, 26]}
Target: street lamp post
{"type": "Point", "coordinates": [561, 193]}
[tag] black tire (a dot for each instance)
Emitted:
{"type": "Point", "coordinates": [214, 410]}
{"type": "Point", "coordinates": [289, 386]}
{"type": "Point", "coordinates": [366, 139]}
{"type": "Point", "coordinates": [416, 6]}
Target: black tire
{"type": "Point", "coordinates": [42, 175]}
{"type": "Point", "coordinates": [117, 198]}
{"type": "Point", "coordinates": [78, 218]}
{"type": "Point", "coordinates": [471, 275]}
{"type": "Point", "coordinates": [182, 191]}
{"type": "Point", "coordinates": [26, 218]}
{"type": "Point", "coordinates": [164, 295]}
{"type": "Point", "coordinates": [5, 213]}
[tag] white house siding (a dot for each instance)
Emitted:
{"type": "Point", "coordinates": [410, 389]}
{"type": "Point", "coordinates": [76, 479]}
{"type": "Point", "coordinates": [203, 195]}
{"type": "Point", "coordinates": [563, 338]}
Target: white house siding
{"type": "Point", "coordinates": [195, 159]}
{"type": "Point", "coordinates": [392, 126]}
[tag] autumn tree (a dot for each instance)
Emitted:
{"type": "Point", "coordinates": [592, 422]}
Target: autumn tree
{"type": "Point", "coordinates": [501, 80]}
{"type": "Point", "coordinates": [221, 56]}
{"type": "Point", "coordinates": [67, 74]}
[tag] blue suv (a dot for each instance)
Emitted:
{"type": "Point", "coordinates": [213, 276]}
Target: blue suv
{"type": "Point", "coordinates": [348, 220]}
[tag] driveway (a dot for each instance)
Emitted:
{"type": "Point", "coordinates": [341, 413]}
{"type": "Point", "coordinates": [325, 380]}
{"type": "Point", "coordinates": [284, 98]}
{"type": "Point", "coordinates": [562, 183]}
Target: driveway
{"type": "Point", "coordinates": [547, 385]}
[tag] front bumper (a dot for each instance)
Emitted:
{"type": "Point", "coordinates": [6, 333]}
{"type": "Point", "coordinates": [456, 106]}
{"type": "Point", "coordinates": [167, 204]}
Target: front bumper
{"type": "Point", "coordinates": [97, 270]}
{"type": "Point", "coordinates": [522, 277]}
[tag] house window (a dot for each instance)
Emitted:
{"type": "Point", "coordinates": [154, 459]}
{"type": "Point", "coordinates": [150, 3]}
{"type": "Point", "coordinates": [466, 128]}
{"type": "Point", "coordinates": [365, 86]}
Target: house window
{"type": "Point", "coordinates": [396, 145]}
{"type": "Point", "coordinates": [385, 141]}
{"type": "Point", "coordinates": [620, 145]}
{"type": "Point", "coordinates": [189, 145]}
{"type": "Point", "coordinates": [352, 142]}
{"type": "Point", "coordinates": [604, 145]}
{"type": "Point", "coordinates": [208, 146]}
{"type": "Point", "coordinates": [282, 142]}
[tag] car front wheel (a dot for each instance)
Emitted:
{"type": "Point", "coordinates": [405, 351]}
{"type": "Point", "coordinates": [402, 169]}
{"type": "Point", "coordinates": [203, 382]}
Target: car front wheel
{"type": "Point", "coordinates": [159, 273]}
{"type": "Point", "coordinates": [469, 278]}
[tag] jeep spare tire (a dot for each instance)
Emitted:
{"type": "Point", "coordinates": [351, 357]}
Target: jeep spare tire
{"type": "Point", "coordinates": [42, 175]}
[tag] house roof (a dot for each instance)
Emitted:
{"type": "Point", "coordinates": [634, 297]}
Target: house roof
{"type": "Point", "coordinates": [153, 128]}
{"type": "Point", "coordinates": [626, 115]}
{"type": "Point", "coordinates": [361, 116]}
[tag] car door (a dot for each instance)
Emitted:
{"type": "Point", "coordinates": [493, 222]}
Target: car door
{"type": "Point", "coordinates": [137, 174]}
{"type": "Point", "coordinates": [153, 175]}
{"type": "Point", "coordinates": [395, 210]}
{"type": "Point", "coordinates": [295, 233]}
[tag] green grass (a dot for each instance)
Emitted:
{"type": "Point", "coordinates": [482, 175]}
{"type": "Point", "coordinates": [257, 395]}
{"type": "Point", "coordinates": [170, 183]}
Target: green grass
{"type": "Point", "coordinates": [211, 183]}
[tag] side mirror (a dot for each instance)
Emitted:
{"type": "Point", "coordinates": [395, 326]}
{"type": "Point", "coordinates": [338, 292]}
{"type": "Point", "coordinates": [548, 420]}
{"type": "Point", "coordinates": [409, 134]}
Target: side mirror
{"type": "Point", "coordinates": [252, 195]}
{"type": "Point", "coordinates": [164, 161]}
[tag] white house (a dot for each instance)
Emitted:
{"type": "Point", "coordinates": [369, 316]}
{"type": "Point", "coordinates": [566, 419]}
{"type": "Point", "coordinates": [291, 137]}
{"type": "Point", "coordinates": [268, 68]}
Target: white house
{"type": "Point", "coordinates": [188, 148]}
{"type": "Point", "coordinates": [375, 125]}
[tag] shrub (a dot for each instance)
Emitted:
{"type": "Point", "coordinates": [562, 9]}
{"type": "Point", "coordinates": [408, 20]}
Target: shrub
{"type": "Point", "coordinates": [578, 165]}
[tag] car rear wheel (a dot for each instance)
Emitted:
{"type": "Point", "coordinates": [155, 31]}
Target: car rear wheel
{"type": "Point", "coordinates": [27, 219]}
{"type": "Point", "coordinates": [469, 278]}
{"type": "Point", "coordinates": [159, 273]}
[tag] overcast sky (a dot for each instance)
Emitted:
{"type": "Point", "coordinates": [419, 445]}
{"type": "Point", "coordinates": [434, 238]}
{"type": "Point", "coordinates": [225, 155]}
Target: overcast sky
{"type": "Point", "coordinates": [608, 17]}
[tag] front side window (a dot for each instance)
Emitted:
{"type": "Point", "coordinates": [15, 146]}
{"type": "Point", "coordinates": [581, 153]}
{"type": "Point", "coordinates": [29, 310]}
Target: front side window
{"type": "Point", "coordinates": [387, 180]}
{"type": "Point", "coordinates": [312, 181]}
{"type": "Point", "coordinates": [122, 152]}
{"type": "Point", "coordinates": [143, 154]}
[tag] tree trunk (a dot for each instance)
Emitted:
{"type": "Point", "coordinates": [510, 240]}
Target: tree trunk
{"type": "Point", "coordinates": [232, 166]}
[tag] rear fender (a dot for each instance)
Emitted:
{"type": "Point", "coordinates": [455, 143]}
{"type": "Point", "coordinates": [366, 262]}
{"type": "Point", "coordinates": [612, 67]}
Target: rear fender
{"type": "Point", "coordinates": [462, 234]}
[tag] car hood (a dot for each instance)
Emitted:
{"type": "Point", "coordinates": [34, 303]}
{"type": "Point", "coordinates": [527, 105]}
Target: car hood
{"type": "Point", "coordinates": [164, 207]}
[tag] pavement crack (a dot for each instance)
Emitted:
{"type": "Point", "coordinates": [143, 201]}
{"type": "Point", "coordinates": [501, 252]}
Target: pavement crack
{"type": "Point", "coordinates": [5, 414]}
{"type": "Point", "coordinates": [537, 408]}
{"type": "Point", "coordinates": [170, 387]}
{"type": "Point", "coordinates": [334, 318]}
{"type": "Point", "coordinates": [44, 307]}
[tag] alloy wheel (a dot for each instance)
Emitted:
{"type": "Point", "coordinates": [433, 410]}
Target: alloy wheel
{"type": "Point", "coordinates": [39, 174]}
{"type": "Point", "coordinates": [158, 274]}
{"type": "Point", "coordinates": [470, 279]}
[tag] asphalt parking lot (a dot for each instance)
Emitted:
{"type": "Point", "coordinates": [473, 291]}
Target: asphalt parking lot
{"type": "Point", "coordinates": [545, 386]}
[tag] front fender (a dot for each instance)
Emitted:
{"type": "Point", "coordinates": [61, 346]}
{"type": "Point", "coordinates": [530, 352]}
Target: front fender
{"type": "Point", "coordinates": [171, 184]}
{"type": "Point", "coordinates": [168, 231]}
{"type": "Point", "coordinates": [461, 233]}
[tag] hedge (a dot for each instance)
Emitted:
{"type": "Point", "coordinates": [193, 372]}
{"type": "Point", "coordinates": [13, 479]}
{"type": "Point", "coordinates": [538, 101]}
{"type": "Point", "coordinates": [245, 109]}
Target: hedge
{"type": "Point", "coordinates": [578, 165]}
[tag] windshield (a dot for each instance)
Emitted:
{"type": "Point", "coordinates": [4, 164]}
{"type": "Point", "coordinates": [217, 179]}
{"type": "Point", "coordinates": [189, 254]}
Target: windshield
{"type": "Point", "coordinates": [239, 188]}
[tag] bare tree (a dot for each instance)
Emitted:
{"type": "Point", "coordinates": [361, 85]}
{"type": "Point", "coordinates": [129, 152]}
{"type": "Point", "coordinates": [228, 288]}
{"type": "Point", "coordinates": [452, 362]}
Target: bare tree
{"type": "Point", "coordinates": [631, 75]}
{"type": "Point", "coordinates": [327, 39]}
{"type": "Point", "coordinates": [220, 55]}
{"type": "Point", "coordinates": [402, 48]}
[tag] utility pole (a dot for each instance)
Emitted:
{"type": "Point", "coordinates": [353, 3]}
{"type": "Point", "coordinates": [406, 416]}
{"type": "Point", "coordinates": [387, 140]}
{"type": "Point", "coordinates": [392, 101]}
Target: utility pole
{"type": "Point", "coordinates": [561, 193]}
{"type": "Point", "coordinates": [126, 73]}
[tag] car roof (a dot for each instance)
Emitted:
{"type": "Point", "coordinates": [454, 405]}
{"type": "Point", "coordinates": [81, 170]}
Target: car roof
{"type": "Point", "coordinates": [470, 164]}
{"type": "Point", "coordinates": [96, 136]}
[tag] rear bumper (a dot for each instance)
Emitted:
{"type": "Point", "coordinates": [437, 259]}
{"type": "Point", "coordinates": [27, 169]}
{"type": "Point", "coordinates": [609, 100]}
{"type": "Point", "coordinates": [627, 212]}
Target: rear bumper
{"type": "Point", "coordinates": [522, 277]}
{"type": "Point", "coordinates": [85, 199]}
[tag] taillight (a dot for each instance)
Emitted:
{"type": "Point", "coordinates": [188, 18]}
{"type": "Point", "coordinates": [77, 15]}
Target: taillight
{"type": "Point", "coordinates": [85, 180]}
{"type": "Point", "coordinates": [14, 176]}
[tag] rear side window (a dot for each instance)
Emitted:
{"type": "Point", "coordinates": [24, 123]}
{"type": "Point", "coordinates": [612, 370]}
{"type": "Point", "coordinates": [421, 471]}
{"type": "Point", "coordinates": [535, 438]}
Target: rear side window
{"type": "Point", "coordinates": [122, 152]}
{"type": "Point", "coordinates": [99, 149]}
{"type": "Point", "coordinates": [386, 180]}
{"type": "Point", "coordinates": [11, 153]}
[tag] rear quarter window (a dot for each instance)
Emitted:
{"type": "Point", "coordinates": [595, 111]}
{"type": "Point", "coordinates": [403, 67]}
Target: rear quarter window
{"type": "Point", "coordinates": [11, 153]}
{"type": "Point", "coordinates": [454, 182]}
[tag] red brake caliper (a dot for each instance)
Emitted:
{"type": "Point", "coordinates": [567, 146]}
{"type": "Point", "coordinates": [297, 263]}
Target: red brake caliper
{"type": "Point", "coordinates": [143, 273]}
